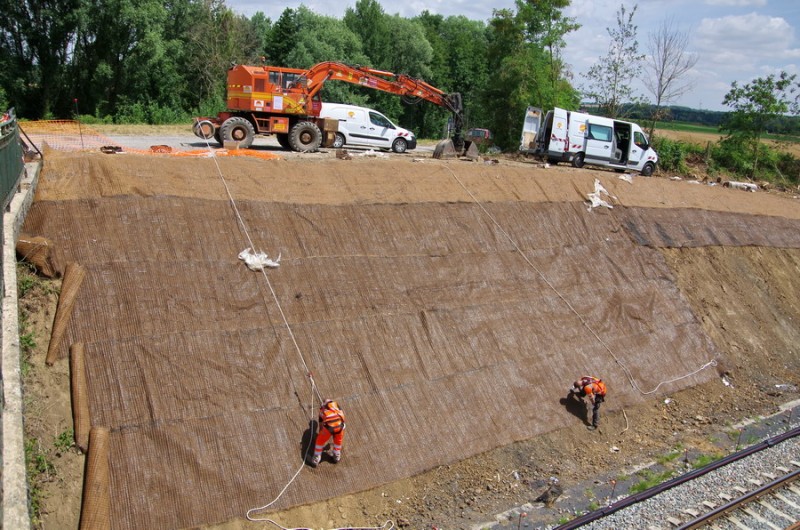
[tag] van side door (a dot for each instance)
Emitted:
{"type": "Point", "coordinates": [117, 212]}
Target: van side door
{"type": "Point", "coordinates": [599, 139]}
{"type": "Point", "coordinates": [558, 135]}
{"type": "Point", "coordinates": [530, 130]}
{"type": "Point", "coordinates": [378, 131]}
{"type": "Point", "coordinates": [638, 149]}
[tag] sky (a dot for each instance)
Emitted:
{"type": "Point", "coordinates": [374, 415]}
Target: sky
{"type": "Point", "coordinates": [734, 40]}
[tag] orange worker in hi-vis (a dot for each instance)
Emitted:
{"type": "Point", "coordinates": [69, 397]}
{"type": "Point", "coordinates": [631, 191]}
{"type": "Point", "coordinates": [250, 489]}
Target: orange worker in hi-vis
{"type": "Point", "coordinates": [331, 425]}
{"type": "Point", "coordinates": [593, 388]}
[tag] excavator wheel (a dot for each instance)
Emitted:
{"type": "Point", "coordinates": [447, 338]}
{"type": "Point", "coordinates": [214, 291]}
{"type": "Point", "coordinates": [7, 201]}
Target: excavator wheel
{"type": "Point", "coordinates": [305, 137]}
{"type": "Point", "coordinates": [238, 129]}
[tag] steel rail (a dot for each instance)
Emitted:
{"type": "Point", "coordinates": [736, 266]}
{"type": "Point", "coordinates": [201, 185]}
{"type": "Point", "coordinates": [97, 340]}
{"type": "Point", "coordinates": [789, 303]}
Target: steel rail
{"type": "Point", "coordinates": [677, 481]}
{"type": "Point", "coordinates": [735, 504]}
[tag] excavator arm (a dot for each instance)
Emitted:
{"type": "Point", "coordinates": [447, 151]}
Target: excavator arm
{"type": "Point", "coordinates": [314, 79]}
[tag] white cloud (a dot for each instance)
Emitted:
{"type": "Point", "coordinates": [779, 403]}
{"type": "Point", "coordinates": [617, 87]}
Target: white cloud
{"type": "Point", "coordinates": [744, 40]}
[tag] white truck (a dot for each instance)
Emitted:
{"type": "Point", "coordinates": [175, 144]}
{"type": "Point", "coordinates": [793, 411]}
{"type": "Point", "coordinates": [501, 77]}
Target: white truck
{"type": "Point", "coordinates": [580, 138]}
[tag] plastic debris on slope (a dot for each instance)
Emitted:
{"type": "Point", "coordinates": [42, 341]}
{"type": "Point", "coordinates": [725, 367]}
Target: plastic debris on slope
{"type": "Point", "coordinates": [596, 196]}
{"type": "Point", "coordinates": [256, 261]}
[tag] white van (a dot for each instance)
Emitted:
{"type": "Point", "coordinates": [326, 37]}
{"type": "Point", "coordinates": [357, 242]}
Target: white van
{"type": "Point", "coordinates": [363, 127]}
{"type": "Point", "coordinates": [580, 138]}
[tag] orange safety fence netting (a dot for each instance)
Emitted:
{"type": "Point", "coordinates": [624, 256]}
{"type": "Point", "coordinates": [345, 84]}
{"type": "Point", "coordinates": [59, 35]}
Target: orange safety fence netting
{"type": "Point", "coordinates": [69, 135]}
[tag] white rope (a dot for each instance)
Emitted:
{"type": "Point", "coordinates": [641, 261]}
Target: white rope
{"type": "Point", "coordinates": [563, 299]}
{"type": "Point", "coordinates": [263, 272]}
{"type": "Point", "coordinates": [388, 525]}
{"type": "Point", "coordinates": [313, 384]}
{"type": "Point", "coordinates": [297, 473]}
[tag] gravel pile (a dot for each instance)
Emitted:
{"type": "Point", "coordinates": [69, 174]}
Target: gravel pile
{"type": "Point", "coordinates": [653, 513]}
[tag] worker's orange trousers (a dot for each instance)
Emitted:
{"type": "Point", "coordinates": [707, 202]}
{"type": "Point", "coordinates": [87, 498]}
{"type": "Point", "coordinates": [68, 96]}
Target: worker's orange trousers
{"type": "Point", "coordinates": [324, 436]}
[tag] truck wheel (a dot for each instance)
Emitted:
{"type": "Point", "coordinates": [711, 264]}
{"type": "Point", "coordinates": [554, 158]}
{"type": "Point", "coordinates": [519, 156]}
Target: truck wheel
{"type": "Point", "coordinates": [238, 129]}
{"type": "Point", "coordinates": [305, 137]}
{"type": "Point", "coordinates": [283, 140]}
{"type": "Point", "coordinates": [648, 169]}
{"type": "Point", "coordinates": [338, 140]}
{"type": "Point", "coordinates": [577, 160]}
{"type": "Point", "coordinates": [218, 137]}
{"type": "Point", "coordinates": [399, 145]}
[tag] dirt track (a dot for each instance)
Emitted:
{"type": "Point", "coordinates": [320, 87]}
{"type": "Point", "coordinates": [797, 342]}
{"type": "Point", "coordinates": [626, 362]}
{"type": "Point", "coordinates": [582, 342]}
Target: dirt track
{"type": "Point", "coordinates": [746, 298]}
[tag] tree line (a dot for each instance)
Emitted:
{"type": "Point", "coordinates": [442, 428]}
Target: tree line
{"type": "Point", "coordinates": [165, 61]}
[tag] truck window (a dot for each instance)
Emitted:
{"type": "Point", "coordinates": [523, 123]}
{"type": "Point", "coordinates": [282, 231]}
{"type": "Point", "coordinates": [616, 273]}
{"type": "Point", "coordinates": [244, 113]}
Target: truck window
{"type": "Point", "coordinates": [380, 121]}
{"type": "Point", "coordinates": [640, 140]}
{"type": "Point", "coordinates": [600, 132]}
{"type": "Point", "coordinates": [288, 79]}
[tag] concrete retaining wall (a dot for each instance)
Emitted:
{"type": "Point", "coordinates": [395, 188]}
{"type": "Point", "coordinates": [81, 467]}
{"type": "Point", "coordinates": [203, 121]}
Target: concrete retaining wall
{"type": "Point", "coordinates": [15, 488]}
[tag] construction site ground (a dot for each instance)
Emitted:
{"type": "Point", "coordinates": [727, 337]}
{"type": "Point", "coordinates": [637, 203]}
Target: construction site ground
{"type": "Point", "coordinates": [745, 299]}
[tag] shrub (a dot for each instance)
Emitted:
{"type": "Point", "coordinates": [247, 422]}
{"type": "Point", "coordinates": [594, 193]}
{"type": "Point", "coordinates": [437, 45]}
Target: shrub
{"type": "Point", "coordinates": [672, 154]}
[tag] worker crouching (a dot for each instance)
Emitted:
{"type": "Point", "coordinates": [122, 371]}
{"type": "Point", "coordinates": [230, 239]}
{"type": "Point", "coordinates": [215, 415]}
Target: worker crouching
{"type": "Point", "coordinates": [331, 425]}
{"type": "Point", "coordinates": [593, 388]}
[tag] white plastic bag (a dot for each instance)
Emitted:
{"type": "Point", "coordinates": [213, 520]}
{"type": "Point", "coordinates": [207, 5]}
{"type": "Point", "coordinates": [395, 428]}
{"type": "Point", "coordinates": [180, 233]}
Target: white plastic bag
{"type": "Point", "coordinates": [596, 196]}
{"type": "Point", "coordinates": [257, 261]}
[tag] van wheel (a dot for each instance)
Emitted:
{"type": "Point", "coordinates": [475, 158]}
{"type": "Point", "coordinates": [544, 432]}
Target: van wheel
{"type": "Point", "coordinates": [577, 160]}
{"type": "Point", "coordinates": [399, 145]}
{"type": "Point", "coordinates": [338, 140]}
{"type": "Point", "coordinates": [648, 169]}
{"type": "Point", "coordinates": [238, 129]}
{"type": "Point", "coordinates": [305, 137]}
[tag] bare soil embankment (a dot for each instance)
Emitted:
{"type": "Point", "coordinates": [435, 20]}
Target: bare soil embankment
{"type": "Point", "coordinates": [744, 299]}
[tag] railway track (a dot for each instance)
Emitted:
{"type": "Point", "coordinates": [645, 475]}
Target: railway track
{"type": "Point", "coordinates": [754, 489]}
{"type": "Point", "coordinates": [774, 504]}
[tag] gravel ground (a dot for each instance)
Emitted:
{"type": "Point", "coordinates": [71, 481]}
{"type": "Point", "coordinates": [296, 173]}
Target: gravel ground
{"type": "Point", "coordinates": [654, 512]}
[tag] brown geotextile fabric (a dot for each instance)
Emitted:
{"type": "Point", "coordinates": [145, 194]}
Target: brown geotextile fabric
{"type": "Point", "coordinates": [403, 311]}
{"type": "Point", "coordinates": [79, 393]}
{"type": "Point", "coordinates": [36, 251]}
{"type": "Point", "coordinates": [74, 275]}
{"type": "Point", "coordinates": [96, 505]}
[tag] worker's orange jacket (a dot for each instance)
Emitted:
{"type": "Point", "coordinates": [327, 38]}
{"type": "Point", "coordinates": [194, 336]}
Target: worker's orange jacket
{"type": "Point", "coordinates": [332, 417]}
{"type": "Point", "coordinates": [593, 385]}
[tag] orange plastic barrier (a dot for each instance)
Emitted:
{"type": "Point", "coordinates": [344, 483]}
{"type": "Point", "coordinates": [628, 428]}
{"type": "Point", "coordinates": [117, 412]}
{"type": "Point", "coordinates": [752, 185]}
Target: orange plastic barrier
{"type": "Point", "coordinates": [69, 135]}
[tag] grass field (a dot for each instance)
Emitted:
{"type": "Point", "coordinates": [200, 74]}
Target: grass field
{"type": "Point", "coordinates": [702, 135]}
{"type": "Point", "coordinates": [677, 126]}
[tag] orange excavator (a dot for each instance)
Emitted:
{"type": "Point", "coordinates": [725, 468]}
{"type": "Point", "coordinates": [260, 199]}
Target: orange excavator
{"type": "Point", "coordinates": [286, 102]}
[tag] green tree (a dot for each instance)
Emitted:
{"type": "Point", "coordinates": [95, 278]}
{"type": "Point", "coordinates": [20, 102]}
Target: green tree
{"type": "Point", "coordinates": [426, 120]}
{"type": "Point", "coordinates": [411, 56]}
{"type": "Point", "coordinates": [339, 45]}
{"type": "Point", "coordinates": [524, 56]}
{"type": "Point", "coordinates": [215, 39]}
{"type": "Point", "coordinates": [36, 39]}
{"type": "Point", "coordinates": [757, 103]}
{"type": "Point", "coordinates": [545, 28]}
{"type": "Point", "coordinates": [508, 93]}
{"type": "Point", "coordinates": [611, 77]}
{"type": "Point", "coordinates": [282, 37]}
{"type": "Point", "coordinates": [368, 20]}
